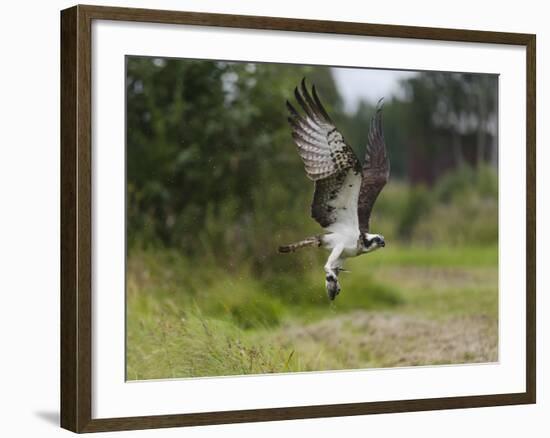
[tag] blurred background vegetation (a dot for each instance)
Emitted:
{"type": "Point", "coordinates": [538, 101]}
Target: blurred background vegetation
{"type": "Point", "coordinates": [214, 185]}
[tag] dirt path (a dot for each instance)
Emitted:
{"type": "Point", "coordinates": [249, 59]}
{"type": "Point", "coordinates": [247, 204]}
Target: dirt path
{"type": "Point", "coordinates": [371, 339]}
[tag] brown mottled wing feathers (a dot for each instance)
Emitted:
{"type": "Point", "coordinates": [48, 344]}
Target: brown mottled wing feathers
{"type": "Point", "coordinates": [328, 160]}
{"type": "Point", "coordinates": [376, 170]}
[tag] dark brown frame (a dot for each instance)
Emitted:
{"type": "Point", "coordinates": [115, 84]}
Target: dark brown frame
{"type": "Point", "coordinates": [76, 236]}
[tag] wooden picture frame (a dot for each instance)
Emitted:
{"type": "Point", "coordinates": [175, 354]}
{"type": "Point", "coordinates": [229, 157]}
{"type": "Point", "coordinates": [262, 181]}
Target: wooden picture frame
{"type": "Point", "coordinates": [76, 218]}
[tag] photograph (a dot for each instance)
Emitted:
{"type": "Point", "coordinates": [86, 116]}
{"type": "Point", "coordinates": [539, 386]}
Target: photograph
{"type": "Point", "coordinates": [289, 218]}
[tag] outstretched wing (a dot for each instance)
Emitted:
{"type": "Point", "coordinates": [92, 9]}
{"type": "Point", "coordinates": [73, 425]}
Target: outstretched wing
{"type": "Point", "coordinates": [328, 161]}
{"type": "Point", "coordinates": [376, 170]}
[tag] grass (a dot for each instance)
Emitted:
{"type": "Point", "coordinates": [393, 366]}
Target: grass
{"type": "Point", "coordinates": [399, 306]}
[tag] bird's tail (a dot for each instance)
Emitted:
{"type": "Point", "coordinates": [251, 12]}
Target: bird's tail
{"type": "Point", "coordinates": [308, 241]}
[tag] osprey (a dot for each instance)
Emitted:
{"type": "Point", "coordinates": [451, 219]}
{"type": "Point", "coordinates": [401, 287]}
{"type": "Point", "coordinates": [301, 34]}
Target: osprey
{"type": "Point", "coordinates": [345, 191]}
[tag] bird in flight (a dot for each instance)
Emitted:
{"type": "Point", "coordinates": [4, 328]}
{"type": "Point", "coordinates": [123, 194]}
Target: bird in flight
{"type": "Point", "coordinates": [345, 191]}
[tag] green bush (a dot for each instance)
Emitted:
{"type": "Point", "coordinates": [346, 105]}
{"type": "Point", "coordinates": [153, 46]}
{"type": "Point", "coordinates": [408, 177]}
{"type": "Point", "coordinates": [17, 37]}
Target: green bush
{"type": "Point", "coordinates": [455, 184]}
{"type": "Point", "coordinates": [472, 221]}
{"type": "Point", "coordinates": [419, 202]}
{"type": "Point", "coordinates": [261, 311]}
{"type": "Point", "coordinates": [461, 208]}
{"type": "Point", "coordinates": [464, 209]}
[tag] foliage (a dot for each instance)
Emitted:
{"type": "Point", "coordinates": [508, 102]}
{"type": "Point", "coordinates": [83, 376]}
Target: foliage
{"type": "Point", "coordinates": [464, 209]}
{"type": "Point", "coordinates": [202, 137]}
{"type": "Point", "coordinates": [451, 120]}
{"type": "Point", "coordinates": [212, 168]}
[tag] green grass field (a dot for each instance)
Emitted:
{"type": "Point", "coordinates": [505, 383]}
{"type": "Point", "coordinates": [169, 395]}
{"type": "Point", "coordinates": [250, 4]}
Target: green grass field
{"type": "Point", "coordinates": [399, 306]}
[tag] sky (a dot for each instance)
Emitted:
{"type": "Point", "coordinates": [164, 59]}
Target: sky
{"type": "Point", "coordinates": [356, 84]}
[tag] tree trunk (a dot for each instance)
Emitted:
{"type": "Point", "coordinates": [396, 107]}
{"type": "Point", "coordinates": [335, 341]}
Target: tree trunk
{"type": "Point", "coordinates": [481, 124]}
{"type": "Point", "coordinates": [457, 150]}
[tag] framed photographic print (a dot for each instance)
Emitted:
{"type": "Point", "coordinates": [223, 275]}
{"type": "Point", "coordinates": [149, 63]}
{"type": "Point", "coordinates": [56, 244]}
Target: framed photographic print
{"type": "Point", "coordinates": [268, 218]}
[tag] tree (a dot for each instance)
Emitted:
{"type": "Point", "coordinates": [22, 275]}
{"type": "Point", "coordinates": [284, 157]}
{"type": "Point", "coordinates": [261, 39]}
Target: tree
{"type": "Point", "coordinates": [202, 136]}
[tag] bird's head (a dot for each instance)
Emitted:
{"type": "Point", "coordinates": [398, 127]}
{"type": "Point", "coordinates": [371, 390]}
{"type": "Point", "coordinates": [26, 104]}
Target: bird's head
{"type": "Point", "coordinates": [371, 242]}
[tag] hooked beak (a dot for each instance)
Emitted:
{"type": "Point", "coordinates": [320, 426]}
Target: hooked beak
{"type": "Point", "coordinates": [382, 244]}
